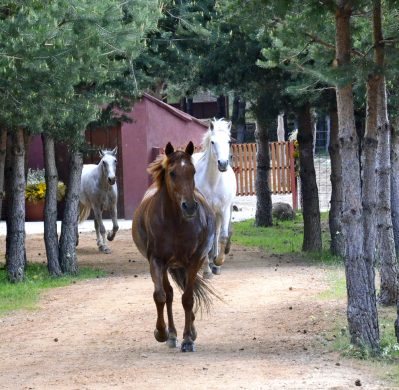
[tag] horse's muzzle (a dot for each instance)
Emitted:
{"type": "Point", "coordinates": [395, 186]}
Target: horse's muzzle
{"type": "Point", "coordinates": [111, 181]}
{"type": "Point", "coordinates": [222, 165]}
{"type": "Point", "coordinates": [189, 209]}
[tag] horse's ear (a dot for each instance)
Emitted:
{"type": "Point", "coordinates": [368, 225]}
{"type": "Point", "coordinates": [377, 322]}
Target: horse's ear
{"type": "Point", "coordinates": [114, 151]}
{"type": "Point", "coordinates": [101, 153]}
{"type": "Point", "coordinates": [211, 126]}
{"type": "Point", "coordinates": [169, 149]}
{"type": "Point", "coordinates": [229, 125]}
{"type": "Point", "coordinates": [190, 148]}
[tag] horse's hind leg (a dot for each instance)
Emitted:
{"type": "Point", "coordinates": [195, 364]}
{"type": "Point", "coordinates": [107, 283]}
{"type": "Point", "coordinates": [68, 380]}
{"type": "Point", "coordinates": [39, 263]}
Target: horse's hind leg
{"type": "Point", "coordinates": [189, 334]}
{"type": "Point", "coordinates": [206, 269]}
{"type": "Point", "coordinates": [115, 227]}
{"type": "Point", "coordinates": [172, 339]}
{"type": "Point", "coordinates": [224, 239]}
{"type": "Point", "coordinates": [100, 232]}
{"type": "Point", "coordinates": [160, 332]}
{"type": "Point", "coordinates": [228, 245]}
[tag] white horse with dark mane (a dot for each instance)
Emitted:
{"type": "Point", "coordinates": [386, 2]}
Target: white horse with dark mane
{"type": "Point", "coordinates": [98, 191]}
{"type": "Point", "coordinates": [216, 180]}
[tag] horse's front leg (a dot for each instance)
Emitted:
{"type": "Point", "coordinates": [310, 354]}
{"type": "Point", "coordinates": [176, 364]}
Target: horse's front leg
{"type": "Point", "coordinates": [224, 236]}
{"type": "Point", "coordinates": [189, 334]}
{"type": "Point", "coordinates": [157, 274]}
{"type": "Point", "coordinates": [172, 338]}
{"type": "Point", "coordinates": [115, 227]}
{"type": "Point", "coordinates": [100, 231]}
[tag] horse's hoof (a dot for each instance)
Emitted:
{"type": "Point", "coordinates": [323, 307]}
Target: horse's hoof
{"type": "Point", "coordinates": [216, 269]}
{"type": "Point", "coordinates": [187, 346]}
{"type": "Point", "coordinates": [110, 236]}
{"type": "Point", "coordinates": [104, 249]}
{"type": "Point", "coordinates": [207, 274]}
{"type": "Point", "coordinates": [161, 336]}
{"type": "Point", "coordinates": [172, 342]}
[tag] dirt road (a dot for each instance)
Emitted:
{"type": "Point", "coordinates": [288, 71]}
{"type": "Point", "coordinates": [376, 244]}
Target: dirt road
{"type": "Point", "coordinates": [98, 334]}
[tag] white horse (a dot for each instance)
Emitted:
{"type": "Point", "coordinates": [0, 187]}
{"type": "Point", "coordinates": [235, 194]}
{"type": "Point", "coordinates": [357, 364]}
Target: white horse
{"type": "Point", "coordinates": [216, 180]}
{"type": "Point", "coordinates": [98, 191]}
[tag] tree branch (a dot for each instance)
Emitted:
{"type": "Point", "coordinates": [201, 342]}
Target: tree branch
{"type": "Point", "coordinates": [330, 45]}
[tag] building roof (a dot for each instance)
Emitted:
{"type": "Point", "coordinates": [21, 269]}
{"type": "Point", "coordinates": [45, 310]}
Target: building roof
{"type": "Point", "coordinates": [174, 111]}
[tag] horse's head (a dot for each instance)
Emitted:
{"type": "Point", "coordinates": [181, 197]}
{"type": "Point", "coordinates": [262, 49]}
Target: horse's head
{"type": "Point", "coordinates": [179, 179]}
{"type": "Point", "coordinates": [108, 164]}
{"type": "Point", "coordinates": [219, 139]}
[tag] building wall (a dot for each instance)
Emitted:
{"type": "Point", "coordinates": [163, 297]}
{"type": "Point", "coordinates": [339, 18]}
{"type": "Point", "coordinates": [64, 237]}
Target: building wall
{"type": "Point", "coordinates": [134, 156]}
{"type": "Point", "coordinates": [154, 125]}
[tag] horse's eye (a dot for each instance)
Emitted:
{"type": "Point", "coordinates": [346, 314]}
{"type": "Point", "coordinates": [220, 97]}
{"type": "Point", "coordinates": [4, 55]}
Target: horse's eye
{"type": "Point", "coordinates": [172, 174]}
{"type": "Point", "coordinates": [212, 143]}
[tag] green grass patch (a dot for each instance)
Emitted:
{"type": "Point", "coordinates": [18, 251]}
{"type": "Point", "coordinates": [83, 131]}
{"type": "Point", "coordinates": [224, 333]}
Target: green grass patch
{"type": "Point", "coordinates": [283, 237]}
{"type": "Point", "coordinates": [25, 295]}
{"type": "Point", "coordinates": [337, 284]}
{"type": "Point", "coordinates": [388, 357]}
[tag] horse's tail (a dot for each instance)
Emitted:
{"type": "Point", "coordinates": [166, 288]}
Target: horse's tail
{"type": "Point", "coordinates": [84, 212]}
{"type": "Point", "coordinates": [203, 291]}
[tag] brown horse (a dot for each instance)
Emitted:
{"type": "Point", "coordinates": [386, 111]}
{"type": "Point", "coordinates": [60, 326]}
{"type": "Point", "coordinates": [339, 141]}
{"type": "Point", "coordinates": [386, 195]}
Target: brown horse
{"type": "Point", "coordinates": [174, 228]}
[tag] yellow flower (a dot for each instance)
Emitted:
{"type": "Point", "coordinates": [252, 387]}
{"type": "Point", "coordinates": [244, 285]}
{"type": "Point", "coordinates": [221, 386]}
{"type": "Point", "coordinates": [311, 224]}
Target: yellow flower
{"type": "Point", "coordinates": [36, 187]}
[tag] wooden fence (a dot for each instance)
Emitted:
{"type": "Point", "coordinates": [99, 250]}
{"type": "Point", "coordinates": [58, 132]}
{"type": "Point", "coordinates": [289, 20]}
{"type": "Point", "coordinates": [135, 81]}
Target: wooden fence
{"type": "Point", "coordinates": [282, 173]}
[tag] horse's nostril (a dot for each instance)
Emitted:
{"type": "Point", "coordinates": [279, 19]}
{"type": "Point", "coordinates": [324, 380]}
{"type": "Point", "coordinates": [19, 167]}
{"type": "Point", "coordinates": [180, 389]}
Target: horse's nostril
{"type": "Point", "coordinates": [184, 205]}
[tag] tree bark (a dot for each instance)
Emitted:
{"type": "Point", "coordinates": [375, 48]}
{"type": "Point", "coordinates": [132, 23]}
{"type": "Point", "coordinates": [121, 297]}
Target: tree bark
{"type": "Point", "coordinates": [221, 104]}
{"type": "Point", "coordinates": [337, 245]}
{"type": "Point", "coordinates": [68, 239]}
{"type": "Point", "coordinates": [395, 183]}
{"type": "Point", "coordinates": [369, 166]}
{"type": "Point", "coordinates": [386, 243]}
{"type": "Point", "coordinates": [3, 150]}
{"type": "Point", "coordinates": [241, 121]}
{"type": "Point", "coordinates": [389, 285]}
{"type": "Point", "coordinates": [16, 214]}
{"type": "Point", "coordinates": [362, 308]}
{"type": "Point", "coordinates": [263, 215]}
{"type": "Point", "coordinates": [50, 208]}
{"type": "Point", "coordinates": [311, 209]}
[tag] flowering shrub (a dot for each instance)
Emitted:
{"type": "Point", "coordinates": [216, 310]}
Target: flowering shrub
{"type": "Point", "coordinates": [35, 189]}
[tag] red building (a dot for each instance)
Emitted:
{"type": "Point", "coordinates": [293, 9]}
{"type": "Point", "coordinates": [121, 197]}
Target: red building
{"type": "Point", "coordinates": [153, 124]}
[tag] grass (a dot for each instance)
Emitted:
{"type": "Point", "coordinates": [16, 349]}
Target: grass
{"type": "Point", "coordinates": [386, 361]}
{"type": "Point", "coordinates": [283, 237]}
{"type": "Point", "coordinates": [25, 295]}
{"type": "Point", "coordinates": [286, 238]}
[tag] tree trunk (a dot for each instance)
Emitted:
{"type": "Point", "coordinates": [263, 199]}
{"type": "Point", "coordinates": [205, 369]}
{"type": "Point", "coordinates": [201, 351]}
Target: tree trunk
{"type": "Point", "coordinates": [183, 104]}
{"type": "Point", "coordinates": [3, 150]}
{"type": "Point", "coordinates": [310, 194]}
{"type": "Point", "coordinates": [50, 208]}
{"type": "Point", "coordinates": [369, 165]}
{"type": "Point", "coordinates": [337, 245]}
{"type": "Point", "coordinates": [395, 183]}
{"type": "Point", "coordinates": [190, 108]}
{"type": "Point", "coordinates": [16, 214]}
{"type": "Point", "coordinates": [241, 121]}
{"type": "Point", "coordinates": [362, 308]}
{"type": "Point", "coordinates": [221, 104]}
{"type": "Point", "coordinates": [263, 215]}
{"type": "Point", "coordinates": [386, 243]}
{"type": "Point", "coordinates": [68, 239]}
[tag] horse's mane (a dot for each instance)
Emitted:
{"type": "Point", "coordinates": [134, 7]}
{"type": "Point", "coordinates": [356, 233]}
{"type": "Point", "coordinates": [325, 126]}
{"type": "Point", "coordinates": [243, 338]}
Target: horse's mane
{"type": "Point", "coordinates": [219, 125]}
{"type": "Point", "coordinates": [157, 168]}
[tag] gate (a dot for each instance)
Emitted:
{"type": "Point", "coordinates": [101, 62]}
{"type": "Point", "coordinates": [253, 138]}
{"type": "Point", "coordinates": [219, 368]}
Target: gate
{"type": "Point", "coordinates": [282, 179]}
